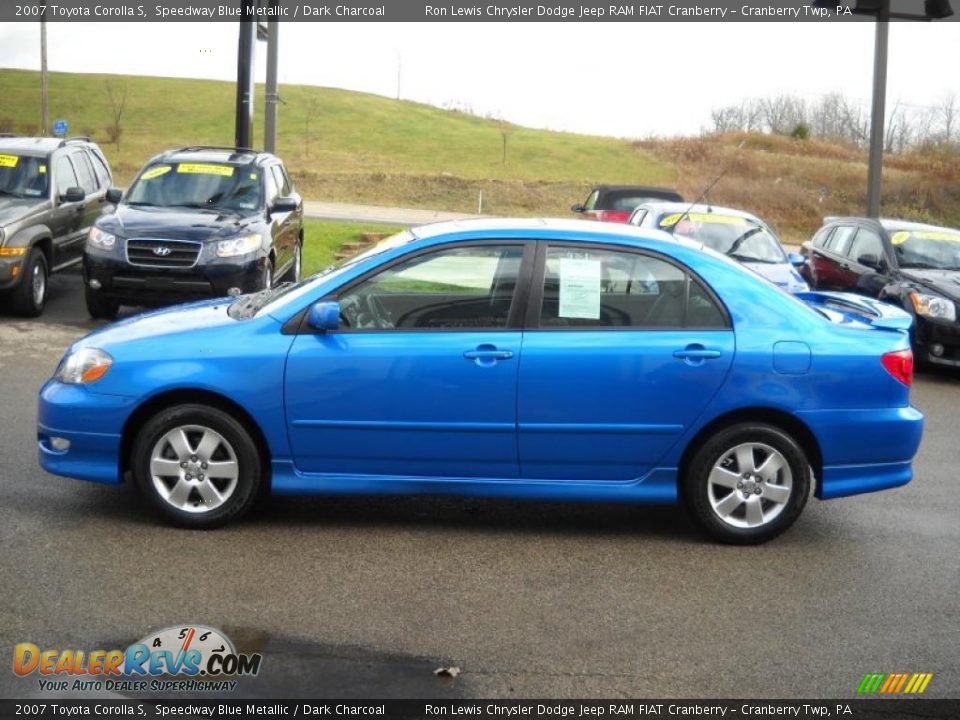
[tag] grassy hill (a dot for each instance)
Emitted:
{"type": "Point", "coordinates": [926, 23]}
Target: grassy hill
{"type": "Point", "coordinates": [369, 149]}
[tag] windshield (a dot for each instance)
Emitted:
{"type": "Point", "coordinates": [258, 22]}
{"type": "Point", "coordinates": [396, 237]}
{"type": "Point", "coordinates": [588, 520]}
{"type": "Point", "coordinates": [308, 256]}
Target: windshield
{"type": "Point", "coordinates": [927, 249]}
{"type": "Point", "coordinates": [197, 185]}
{"type": "Point", "coordinates": [267, 300]}
{"type": "Point", "coordinates": [23, 176]}
{"type": "Point", "coordinates": [739, 237]}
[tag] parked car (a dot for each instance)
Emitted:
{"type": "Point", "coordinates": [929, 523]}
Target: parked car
{"type": "Point", "coordinates": [552, 360]}
{"type": "Point", "coordinates": [614, 203]}
{"type": "Point", "coordinates": [51, 190]}
{"type": "Point", "coordinates": [196, 222]}
{"type": "Point", "coordinates": [913, 265]}
{"type": "Point", "coordinates": [734, 233]}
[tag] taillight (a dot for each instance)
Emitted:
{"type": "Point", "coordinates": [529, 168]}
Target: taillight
{"type": "Point", "coordinates": [900, 365]}
{"type": "Point", "coordinates": [613, 216]}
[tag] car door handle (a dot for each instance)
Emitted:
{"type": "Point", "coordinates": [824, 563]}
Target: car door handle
{"type": "Point", "coordinates": [692, 353]}
{"type": "Point", "coordinates": [487, 354]}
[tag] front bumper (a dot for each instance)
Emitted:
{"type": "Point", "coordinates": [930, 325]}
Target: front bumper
{"type": "Point", "coordinates": [137, 285]}
{"type": "Point", "coordinates": [929, 334]}
{"type": "Point", "coordinates": [11, 271]}
{"type": "Point", "coordinates": [91, 423]}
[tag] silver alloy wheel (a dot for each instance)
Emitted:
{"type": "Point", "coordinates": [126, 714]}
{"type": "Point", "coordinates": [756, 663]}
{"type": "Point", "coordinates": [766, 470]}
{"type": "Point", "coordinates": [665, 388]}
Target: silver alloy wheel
{"type": "Point", "coordinates": [194, 468]}
{"type": "Point", "coordinates": [267, 276]}
{"type": "Point", "coordinates": [297, 262]}
{"type": "Point", "coordinates": [38, 284]}
{"type": "Point", "coordinates": [750, 485]}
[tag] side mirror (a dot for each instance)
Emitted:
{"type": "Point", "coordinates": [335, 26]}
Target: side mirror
{"type": "Point", "coordinates": [114, 196]}
{"type": "Point", "coordinates": [74, 194]}
{"type": "Point", "coordinates": [324, 316]}
{"type": "Point", "coordinates": [578, 208]}
{"type": "Point", "coordinates": [797, 260]}
{"type": "Point", "coordinates": [284, 204]}
{"type": "Point", "coordinates": [870, 260]}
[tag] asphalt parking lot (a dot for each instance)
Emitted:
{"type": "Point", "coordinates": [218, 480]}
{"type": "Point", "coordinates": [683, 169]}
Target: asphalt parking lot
{"type": "Point", "coordinates": [357, 597]}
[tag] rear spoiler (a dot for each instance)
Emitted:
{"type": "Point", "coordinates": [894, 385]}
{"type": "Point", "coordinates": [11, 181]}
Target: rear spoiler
{"type": "Point", "coordinates": [876, 313]}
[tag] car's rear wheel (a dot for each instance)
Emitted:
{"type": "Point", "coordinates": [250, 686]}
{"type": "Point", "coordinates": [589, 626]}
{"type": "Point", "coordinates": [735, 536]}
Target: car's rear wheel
{"type": "Point", "coordinates": [747, 484]}
{"type": "Point", "coordinates": [30, 296]}
{"type": "Point", "coordinates": [197, 465]}
{"type": "Point", "coordinates": [99, 307]}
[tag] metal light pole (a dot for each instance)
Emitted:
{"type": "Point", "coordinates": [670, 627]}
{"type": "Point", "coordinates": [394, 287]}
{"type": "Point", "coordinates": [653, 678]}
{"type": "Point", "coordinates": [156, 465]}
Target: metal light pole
{"type": "Point", "coordinates": [875, 168]}
{"type": "Point", "coordinates": [44, 108]}
{"type": "Point", "coordinates": [245, 49]}
{"type": "Point", "coordinates": [272, 93]}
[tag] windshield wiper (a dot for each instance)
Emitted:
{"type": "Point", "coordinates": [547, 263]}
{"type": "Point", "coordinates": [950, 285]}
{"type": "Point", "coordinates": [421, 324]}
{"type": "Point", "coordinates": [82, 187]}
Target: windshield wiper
{"type": "Point", "coordinates": [141, 204]}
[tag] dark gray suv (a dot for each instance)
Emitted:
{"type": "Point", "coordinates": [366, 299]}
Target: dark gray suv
{"type": "Point", "coordinates": [51, 191]}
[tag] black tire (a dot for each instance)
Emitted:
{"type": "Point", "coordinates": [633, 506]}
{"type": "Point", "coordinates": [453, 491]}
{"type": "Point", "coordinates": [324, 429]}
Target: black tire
{"type": "Point", "coordinates": [249, 475]}
{"type": "Point", "coordinates": [266, 275]}
{"type": "Point", "coordinates": [700, 494]}
{"type": "Point", "coordinates": [293, 275]}
{"type": "Point", "coordinates": [99, 307]}
{"type": "Point", "coordinates": [24, 299]}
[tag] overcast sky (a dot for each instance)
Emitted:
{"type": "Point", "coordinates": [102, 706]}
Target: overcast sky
{"type": "Point", "coordinates": [624, 79]}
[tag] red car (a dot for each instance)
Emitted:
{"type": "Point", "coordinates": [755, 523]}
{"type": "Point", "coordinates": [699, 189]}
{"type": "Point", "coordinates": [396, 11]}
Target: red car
{"type": "Point", "coordinates": [614, 203]}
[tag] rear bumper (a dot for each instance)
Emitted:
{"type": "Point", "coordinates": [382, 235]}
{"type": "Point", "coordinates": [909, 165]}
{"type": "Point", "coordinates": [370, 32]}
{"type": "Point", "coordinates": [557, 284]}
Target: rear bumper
{"type": "Point", "coordinates": [865, 450]}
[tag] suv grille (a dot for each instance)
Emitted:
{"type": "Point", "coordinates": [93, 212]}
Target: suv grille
{"type": "Point", "coordinates": [149, 252]}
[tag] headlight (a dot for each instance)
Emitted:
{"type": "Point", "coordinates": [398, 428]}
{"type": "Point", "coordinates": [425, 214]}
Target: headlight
{"type": "Point", "coordinates": [933, 306]}
{"type": "Point", "coordinates": [238, 246]}
{"type": "Point", "coordinates": [100, 239]}
{"type": "Point", "coordinates": [83, 366]}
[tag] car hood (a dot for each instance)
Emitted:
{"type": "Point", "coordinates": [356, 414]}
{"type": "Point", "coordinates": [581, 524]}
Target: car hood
{"type": "Point", "coordinates": [192, 318]}
{"type": "Point", "coordinates": [944, 282]}
{"type": "Point", "coordinates": [15, 208]}
{"type": "Point", "coordinates": [173, 223]}
{"type": "Point", "coordinates": [781, 274]}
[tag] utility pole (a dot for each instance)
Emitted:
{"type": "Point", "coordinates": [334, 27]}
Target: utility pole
{"type": "Point", "coordinates": [875, 167]}
{"type": "Point", "coordinates": [44, 107]}
{"type": "Point", "coordinates": [245, 50]}
{"type": "Point", "coordinates": [272, 93]}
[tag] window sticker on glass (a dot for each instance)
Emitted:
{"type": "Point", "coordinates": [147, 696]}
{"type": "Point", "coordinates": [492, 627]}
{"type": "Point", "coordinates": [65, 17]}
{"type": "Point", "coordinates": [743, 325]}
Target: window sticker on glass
{"type": "Point", "coordinates": [42, 169]}
{"type": "Point", "coordinates": [580, 288]}
{"type": "Point", "coordinates": [9, 161]}
{"type": "Point", "coordinates": [155, 172]}
{"type": "Point", "coordinates": [204, 169]}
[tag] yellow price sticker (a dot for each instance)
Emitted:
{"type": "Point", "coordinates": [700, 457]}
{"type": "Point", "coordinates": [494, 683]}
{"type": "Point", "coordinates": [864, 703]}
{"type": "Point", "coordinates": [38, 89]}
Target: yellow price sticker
{"type": "Point", "coordinates": [205, 169]}
{"type": "Point", "coordinates": [253, 176]}
{"type": "Point", "coordinates": [671, 220]}
{"type": "Point", "coordinates": [155, 172]}
{"type": "Point", "coordinates": [9, 161]}
{"type": "Point", "coordinates": [904, 235]}
{"type": "Point", "coordinates": [42, 169]}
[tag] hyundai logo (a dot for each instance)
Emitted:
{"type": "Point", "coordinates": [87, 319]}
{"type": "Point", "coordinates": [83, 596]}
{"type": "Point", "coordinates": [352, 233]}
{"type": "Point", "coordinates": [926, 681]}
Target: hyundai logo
{"type": "Point", "coordinates": [162, 251]}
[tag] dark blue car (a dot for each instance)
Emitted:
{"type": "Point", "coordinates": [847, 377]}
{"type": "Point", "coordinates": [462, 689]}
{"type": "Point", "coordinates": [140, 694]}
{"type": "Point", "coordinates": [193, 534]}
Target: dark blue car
{"type": "Point", "coordinates": [560, 360]}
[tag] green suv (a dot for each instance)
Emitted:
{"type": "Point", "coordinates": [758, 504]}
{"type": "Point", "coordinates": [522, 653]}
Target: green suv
{"type": "Point", "coordinates": [51, 191]}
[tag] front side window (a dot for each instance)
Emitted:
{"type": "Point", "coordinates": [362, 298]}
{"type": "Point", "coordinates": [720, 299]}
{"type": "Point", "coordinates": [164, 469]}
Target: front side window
{"type": "Point", "coordinates": [591, 202]}
{"type": "Point", "coordinates": [467, 287]}
{"type": "Point", "coordinates": [595, 288]}
{"type": "Point", "coordinates": [66, 176]}
{"type": "Point", "coordinates": [215, 186]}
{"type": "Point", "coordinates": [867, 242]}
{"type": "Point", "coordinates": [840, 240]}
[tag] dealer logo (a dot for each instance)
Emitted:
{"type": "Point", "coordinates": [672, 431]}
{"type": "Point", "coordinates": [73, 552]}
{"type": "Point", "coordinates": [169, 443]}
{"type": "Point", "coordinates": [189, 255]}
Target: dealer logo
{"type": "Point", "coordinates": [189, 657]}
{"type": "Point", "coordinates": [894, 683]}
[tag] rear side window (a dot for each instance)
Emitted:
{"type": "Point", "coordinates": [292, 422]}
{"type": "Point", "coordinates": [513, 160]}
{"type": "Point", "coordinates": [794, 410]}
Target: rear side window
{"type": "Point", "coordinates": [597, 288]}
{"type": "Point", "coordinates": [822, 237]}
{"type": "Point", "coordinates": [100, 168]}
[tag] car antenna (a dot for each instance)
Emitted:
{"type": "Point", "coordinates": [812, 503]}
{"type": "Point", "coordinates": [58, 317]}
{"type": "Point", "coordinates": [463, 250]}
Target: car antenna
{"type": "Point", "coordinates": [706, 190]}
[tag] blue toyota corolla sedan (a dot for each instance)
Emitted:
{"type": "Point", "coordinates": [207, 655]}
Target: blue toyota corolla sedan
{"type": "Point", "coordinates": [560, 360]}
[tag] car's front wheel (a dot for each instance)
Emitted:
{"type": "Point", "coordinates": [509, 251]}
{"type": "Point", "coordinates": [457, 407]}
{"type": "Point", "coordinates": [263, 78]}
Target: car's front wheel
{"type": "Point", "coordinates": [747, 483]}
{"type": "Point", "coordinates": [30, 296]}
{"type": "Point", "coordinates": [99, 307]}
{"type": "Point", "coordinates": [197, 465]}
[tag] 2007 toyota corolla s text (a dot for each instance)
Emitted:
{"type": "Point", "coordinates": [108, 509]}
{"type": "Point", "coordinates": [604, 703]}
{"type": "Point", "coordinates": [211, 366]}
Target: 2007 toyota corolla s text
{"type": "Point", "coordinates": [561, 360]}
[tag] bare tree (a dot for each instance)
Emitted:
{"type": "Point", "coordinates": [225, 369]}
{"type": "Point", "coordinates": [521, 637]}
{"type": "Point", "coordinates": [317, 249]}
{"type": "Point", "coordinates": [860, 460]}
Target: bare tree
{"type": "Point", "coordinates": [948, 110]}
{"type": "Point", "coordinates": [117, 97]}
{"type": "Point", "coordinates": [312, 112]}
